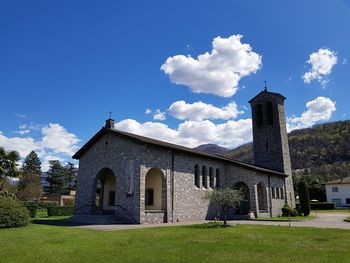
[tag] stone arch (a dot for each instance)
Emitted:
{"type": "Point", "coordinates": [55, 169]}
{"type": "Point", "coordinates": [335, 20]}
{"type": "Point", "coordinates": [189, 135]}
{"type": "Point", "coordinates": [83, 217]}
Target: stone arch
{"type": "Point", "coordinates": [244, 206]}
{"type": "Point", "coordinates": [103, 191]}
{"type": "Point", "coordinates": [204, 176]}
{"type": "Point", "coordinates": [211, 177]}
{"type": "Point", "coordinates": [197, 176]}
{"type": "Point", "coordinates": [269, 112]}
{"type": "Point", "coordinates": [262, 197]}
{"type": "Point", "coordinates": [259, 115]}
{"type": "Point", "coordinates": [155, 190]}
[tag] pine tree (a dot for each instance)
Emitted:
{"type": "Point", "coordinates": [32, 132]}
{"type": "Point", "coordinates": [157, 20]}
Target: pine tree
{"type": "Point", "coordinates": [29, 185]}
{"type": "Point", "coordinates": [56, 178]}
{"type": "Point", "coordinates": [71, 177]}
{"type": "Point", "coordinates": [8, 165]}
{"type": "Point", "coordinates": [304, 198]}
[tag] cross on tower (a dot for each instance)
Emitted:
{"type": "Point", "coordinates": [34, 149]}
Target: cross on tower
{"type": "Point", "coordinates": [265, 88]}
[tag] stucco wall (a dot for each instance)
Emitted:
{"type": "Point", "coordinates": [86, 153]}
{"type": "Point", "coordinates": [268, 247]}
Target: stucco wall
{"type": "Point", "coordinates": [342, 194]}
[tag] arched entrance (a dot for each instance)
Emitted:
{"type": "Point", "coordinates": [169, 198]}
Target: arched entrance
{"type": "Point", "coordinates": [244, 207]}
{"type": "Point", "coordinates": [104, 191]}
{"type": "Point", "coordinates": [262, 198]}
{"type": "Point", "coordinates": [155, 194]}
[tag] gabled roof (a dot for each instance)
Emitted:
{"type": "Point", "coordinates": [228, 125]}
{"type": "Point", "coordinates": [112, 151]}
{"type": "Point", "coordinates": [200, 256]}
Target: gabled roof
{"type": "Point", "coordinates": [174, 147]}
{"type": "Point", "coordinates": [345, 180]}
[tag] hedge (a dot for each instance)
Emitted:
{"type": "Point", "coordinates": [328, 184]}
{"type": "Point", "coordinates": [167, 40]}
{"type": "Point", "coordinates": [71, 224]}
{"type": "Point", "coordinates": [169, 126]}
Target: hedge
{"type": "Point", "coordinates": [60, 210]}
{"type": "Point", "coordinates": [12, 213]}
{"type": "Point", "coordinates": [322, 206]}
{"type": "Point", "coordinates": [32, 207]}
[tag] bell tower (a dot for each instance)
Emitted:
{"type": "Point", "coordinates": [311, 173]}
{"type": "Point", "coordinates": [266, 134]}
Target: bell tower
{"type": "Point", "coordinates": [270, 140]}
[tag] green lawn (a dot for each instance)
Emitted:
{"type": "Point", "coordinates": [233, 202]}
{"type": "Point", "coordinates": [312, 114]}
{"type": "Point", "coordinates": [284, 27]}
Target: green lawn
{"type": "Point", "coordinates": [347, 219]}
{"type": "Point", "coordinates": [243, 243]}
{"type": "Point", "coordinates": [331, 211]}
{"type": "Point", "coordinates": [283, 218]}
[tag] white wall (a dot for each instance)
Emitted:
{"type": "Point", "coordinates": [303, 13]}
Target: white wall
{"type": "Point", "coordinates": [342, 194]}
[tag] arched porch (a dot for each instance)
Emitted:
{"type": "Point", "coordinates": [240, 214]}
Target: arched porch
{"type": "Point", "coordinates": [104, 192]}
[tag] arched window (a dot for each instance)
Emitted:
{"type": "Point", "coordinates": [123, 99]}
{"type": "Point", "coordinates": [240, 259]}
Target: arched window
{"type": "Point", "coordinates": [269, 113]}
{"type": "Point", "coordinates": [259, 115]}
{"type": "Point", "coordinates": [211, 177]}
{"type": "Point", "coordinates": [217, 177]}
{"type": "Point", "coordinates": [204, 177]}
{"type": "Point", "coordinates": [196, 175]}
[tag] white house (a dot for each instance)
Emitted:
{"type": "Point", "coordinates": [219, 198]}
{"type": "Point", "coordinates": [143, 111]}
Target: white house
{"type": "Point", "coordinates": [338, 192]}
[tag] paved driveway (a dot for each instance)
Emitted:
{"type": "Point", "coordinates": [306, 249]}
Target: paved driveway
{"type": "Point", "coordinates": [325, 220]}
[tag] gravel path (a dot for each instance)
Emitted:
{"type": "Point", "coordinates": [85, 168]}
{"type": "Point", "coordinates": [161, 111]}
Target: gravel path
{"type": "Point", "coordinates": [325, 220]}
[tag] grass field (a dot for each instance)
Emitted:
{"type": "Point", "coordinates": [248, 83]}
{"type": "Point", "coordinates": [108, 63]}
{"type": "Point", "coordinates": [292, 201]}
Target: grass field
{"type": "Point", "coordinates": [200, 243]}
{"type": "Point", "coordinates": [347, 219]}
{"type": "Point", "coordinates": [283, 218]}
{"type": "Point", "coordinates": [331, 211]}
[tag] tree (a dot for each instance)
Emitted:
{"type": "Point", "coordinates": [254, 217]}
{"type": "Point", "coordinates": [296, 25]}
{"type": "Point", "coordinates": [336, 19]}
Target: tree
{"type": "Point", "coordinates": [8, 165]}
{"type": "Point", "coordinates": [29, 184]}
{"type": "Point", "coordinates": [71, 177]}
{"type": "Point", "coordinates": [225, 198]}
{"type": "Point", "coordinates": [304, 198]}
{"type": "Point", "coordinates": [56, 178]}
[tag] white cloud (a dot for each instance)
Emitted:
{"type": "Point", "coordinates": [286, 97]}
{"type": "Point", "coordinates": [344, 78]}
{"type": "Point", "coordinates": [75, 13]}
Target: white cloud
{"type": "Point", "coordinates": [319, 109]}
{"type": "Point", "coordinates": [148, 111]}
{"type": "Point", "coordinates": [22, 145]}
{"type": "Point", "coordinates": [322, 63]}
{"type": "Point", "coordinates": [159, 115]}
{"type": "Point", "coordinates": [21, 115]}
{"type": "Point", "coordinates": [22, 132]}
{"type": "Point", "coordinates": [193, 133]}
{"type": "Point", "coordinates": [57, 138]}
{"type": "Point", "coordinates": [217, 72]}
{"type": "Point", "coordinates": [199, 111]}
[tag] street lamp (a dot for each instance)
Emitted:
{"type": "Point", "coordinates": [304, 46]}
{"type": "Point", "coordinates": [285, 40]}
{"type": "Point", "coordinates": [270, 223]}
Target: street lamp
{"type": "Point", "coordinates": [314, 201]}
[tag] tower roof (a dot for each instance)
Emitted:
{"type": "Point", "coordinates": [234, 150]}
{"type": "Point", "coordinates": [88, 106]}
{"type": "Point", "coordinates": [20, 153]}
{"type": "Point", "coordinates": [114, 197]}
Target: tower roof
{"type": "Point", "coordinates": [266, 93]}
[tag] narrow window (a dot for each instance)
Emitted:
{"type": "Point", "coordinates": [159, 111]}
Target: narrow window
{"type": "Point", "coordinates": [196, 175]}
{"type": "Point", "coordinates": [111, 198]}
{"type": "Point", "coordinates": [204, 177]}
{"type": "Point", "coordinates": [211, 177]}
{"type": "Point", "coordinates": [267, 144]}
{"type": "Point", "coordinates": [347, 201]}
{"type": "Point", "coordinates": [277, 192]}
{"type": "Point", "coordinates": [149, 196]}
{"type": "Point", "coordinates": [217, 177]}
{"type": "Point", "coordinates": [106, 145]}
{"type": "Point", "coordinates": [259, 115]}
{"type": "Point", "coordinates": [334, 189]}
{"type": "Point", "coordinates": [269, 113]}
{"type": "Point", "coordinates": [282, 193]}
{"type": "Point", "coordinates": [273, 192]}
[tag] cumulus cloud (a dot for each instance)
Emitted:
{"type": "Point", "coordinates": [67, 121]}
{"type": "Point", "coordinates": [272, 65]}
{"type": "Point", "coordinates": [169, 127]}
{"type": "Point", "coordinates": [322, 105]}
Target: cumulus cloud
{"type": "Point", "coordinates": [217, 72]}
{"type": "Point", "coordinates": [159, 115]}
{"type": "Point", "coordinates": [322, 63]}
{"type": "Point", "coordinates": [193, 133]}
{"type": "Point", "coordinates": [57, 138]}
{"type": "Point", "coordinates": [55, 143]}
{"type": "Point", "coordinates": [199, 111]}
{"type": "Point", "coordinates": [148, 111]}
{"type": "Point", "coordinates": [319, 109]}
{"type": "Point", "coordinates": [22, 145]}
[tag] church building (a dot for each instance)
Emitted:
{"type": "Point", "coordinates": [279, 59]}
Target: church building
{"type": "Point", "coordinates": [135, 179]}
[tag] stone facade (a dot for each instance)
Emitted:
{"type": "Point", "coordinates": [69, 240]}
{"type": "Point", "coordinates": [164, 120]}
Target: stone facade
{"type": "Point", "coordinates": [131, 159]}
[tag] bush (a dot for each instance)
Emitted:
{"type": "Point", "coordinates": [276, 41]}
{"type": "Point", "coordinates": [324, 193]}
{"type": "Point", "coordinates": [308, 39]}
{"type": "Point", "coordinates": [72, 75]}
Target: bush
{"type": "Point", "coordinates": [322, 206]}
{"type": "Point", "coordinates": [32, 207]}
{"type": "Point", "coordinates": [304, 198]}
{"type": "Point", "coordinates": [12, 213]}
{"type": "Point", "coordinates": [46, 204]}
{"type": "Point", "coordinates": [289, 211]}
{"type": "Point", "coordinates": [60, 210]}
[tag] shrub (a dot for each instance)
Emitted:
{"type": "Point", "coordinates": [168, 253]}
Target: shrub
{"type": "Point", "coordinates": [304, 198]}
{"type": "Point", "coordinates": [46, 204]}
{"type": "Point", "coordinates": [12, 213]}
{"type": "Point", "coordinates": [32, 207]}
{"type": "Point", "coordinates": [289, 211]}
{"type": "Point", "coordinates": [60, 210]}
{"type": "Point", "coordinates": [322, 206]}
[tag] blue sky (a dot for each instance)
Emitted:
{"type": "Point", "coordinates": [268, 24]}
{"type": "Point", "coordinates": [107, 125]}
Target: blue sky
{"type": "Point", "coordinates": [65, 64]}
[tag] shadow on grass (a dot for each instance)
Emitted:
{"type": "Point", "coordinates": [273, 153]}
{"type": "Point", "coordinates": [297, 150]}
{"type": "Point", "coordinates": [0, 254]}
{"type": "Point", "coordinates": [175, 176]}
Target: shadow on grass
{"type": "Point", "coordinates": [208, 226]}
{"type": "Point", "coordinates": [58, 222]}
